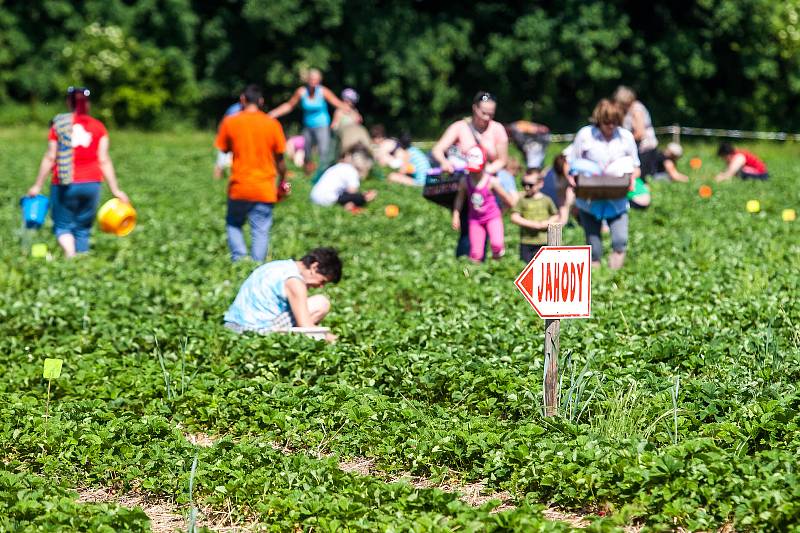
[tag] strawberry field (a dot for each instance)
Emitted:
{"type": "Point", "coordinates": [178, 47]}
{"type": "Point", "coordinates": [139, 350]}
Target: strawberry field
{"type": "Point", "coordinates": [679, 399]}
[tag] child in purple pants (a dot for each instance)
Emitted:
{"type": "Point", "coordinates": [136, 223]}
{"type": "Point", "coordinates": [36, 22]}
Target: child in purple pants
{"type": "Point", "coordinates": [483, 214]}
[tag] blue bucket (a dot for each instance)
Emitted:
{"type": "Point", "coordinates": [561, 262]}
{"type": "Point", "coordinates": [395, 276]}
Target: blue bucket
{"type": "Point", "coordinates": [34, 210]}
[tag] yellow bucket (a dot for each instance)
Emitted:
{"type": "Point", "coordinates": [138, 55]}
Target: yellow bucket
{"type": "Point", "coordinates": [117, 217]}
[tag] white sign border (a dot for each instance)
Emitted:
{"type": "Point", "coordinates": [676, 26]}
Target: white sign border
{"type": "Point", "coordinates": [530, 266]}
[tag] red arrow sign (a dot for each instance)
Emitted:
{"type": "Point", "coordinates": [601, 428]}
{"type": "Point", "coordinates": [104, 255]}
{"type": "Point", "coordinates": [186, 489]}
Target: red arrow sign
{"type": "Point", "coordinates": [558, 282]}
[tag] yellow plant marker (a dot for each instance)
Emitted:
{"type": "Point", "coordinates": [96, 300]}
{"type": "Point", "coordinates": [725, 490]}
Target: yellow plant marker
{"type": "Point", "coordinates": [39, 250]}
{"type": "Point", "coordinates": [52, 368]}
{"type": "Point", "coordinates": [51, 371]}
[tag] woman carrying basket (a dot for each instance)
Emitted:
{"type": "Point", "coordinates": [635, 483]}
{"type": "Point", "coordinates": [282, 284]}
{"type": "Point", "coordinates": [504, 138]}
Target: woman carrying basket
{"type": "Point", "coordinates": [478, 130]}
{"type": "Point", "coordinates": [77, 155]}
{"type": "Point", "coordinates": [603, 142]}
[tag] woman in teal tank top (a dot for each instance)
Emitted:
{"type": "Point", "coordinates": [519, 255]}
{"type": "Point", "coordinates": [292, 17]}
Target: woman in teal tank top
{"type": "Point", "coordinates": [313, 99]}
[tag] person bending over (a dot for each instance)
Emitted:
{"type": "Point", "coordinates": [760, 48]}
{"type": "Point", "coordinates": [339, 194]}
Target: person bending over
{"type": "Point", "coordinates": [661, 163]}
{"type": "Point", "coordinates": [532, 140]}
{"type": "Point", "coordinates": [742, 163]}
{"type": "Point", "coordinates": [341, 183]}
{"type": "Point", "coordinates": [275, 295]}
{"type": "Point", "coordinates": [414, 164]}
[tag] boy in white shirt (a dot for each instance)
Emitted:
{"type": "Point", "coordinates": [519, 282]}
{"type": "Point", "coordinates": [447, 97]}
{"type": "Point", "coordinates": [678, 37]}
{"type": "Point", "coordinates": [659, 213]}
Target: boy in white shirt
{"type": "Point", "coordinates": [341, 184]}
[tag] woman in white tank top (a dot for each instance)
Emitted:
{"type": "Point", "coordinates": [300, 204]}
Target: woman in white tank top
{"type": "Point", "coordinates": [637, 119]}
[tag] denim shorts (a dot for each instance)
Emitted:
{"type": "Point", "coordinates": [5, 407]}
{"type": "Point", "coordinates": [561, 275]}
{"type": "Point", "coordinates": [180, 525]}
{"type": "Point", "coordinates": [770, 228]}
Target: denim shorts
{"type": "Point", "coordinates": [73, 210]}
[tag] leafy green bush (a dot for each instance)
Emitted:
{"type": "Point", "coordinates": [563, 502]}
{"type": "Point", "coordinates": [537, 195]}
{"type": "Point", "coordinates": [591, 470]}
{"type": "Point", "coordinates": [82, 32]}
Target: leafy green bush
{"type": "Point", "coordinates": [134, 83]}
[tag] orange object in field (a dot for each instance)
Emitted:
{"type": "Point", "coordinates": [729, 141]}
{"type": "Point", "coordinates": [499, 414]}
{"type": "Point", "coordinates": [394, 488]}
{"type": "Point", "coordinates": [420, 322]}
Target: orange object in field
{"type": "Point", "coordinates": [705, 191]}
{"type": "Point", "coordinates": [391, 210]}
{"type": "Point", "coordinates": [117, 217]}
{"type": "Point", "coordinates": [695, 163]}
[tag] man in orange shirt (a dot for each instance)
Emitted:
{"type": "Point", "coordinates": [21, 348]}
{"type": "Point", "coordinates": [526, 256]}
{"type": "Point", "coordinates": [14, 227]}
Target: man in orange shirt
{"type": "Point", "coordinates": [257, 143]}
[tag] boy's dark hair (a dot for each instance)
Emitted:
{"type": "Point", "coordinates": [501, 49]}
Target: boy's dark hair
{"type": "Point", "coordinates": [377, 131]}
{"type": "Point", "coordinates": [252, 94]}
{"type": "Point", "coordinates": [405, 140]}
{"type": "Point", "coordinates": [725, 149]}
{"type": "Point", "coordinates": [358, 150]}
{"type": "Point", "coordinates": [328, 263]}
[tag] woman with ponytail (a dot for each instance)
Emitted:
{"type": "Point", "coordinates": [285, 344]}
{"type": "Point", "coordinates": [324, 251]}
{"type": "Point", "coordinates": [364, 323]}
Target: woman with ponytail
{"type": "Point", "coordinates": [77, 156]}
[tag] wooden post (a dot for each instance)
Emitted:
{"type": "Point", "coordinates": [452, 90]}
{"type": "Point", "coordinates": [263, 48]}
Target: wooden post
{"type": "Point", "coordinates": [552, 333]}
{"type": "Point", "coordinates": [676, 133]}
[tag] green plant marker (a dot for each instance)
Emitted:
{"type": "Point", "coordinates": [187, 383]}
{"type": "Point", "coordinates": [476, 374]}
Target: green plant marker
{"type": "Point", "coordinates": [51, 371]}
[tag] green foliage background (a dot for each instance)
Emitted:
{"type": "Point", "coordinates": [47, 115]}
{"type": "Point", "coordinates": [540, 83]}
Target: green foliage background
{"type": "Point", "coordinates": [152, 63]}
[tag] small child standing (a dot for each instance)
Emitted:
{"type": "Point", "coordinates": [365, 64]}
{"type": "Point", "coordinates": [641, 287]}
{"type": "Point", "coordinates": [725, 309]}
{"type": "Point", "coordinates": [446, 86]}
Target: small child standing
{"type": "Point", "coordinates": [483, 214]}
{"type": "Point", "coordinates": [533, 212]}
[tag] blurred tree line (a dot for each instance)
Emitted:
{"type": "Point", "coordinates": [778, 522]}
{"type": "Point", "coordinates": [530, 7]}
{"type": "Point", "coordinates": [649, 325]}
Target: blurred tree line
{"type": "Point", "coordinates": [416, 63]}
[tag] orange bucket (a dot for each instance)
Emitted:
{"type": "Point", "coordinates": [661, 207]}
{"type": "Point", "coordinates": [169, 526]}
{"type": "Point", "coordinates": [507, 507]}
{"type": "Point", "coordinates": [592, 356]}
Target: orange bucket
{"type": "Point", "coordinates": [117, 217]}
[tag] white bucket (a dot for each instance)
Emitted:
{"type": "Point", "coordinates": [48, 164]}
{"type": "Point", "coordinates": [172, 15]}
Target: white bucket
{"type": "Point", "coordinates": [315, 332]}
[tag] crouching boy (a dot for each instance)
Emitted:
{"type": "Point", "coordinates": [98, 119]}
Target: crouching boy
{"type": "Point", "coordinates": [275, 295]}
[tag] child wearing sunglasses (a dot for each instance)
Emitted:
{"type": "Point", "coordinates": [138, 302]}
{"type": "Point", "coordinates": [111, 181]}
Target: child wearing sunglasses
{"type": "Point", "coordinates": [533, 212]}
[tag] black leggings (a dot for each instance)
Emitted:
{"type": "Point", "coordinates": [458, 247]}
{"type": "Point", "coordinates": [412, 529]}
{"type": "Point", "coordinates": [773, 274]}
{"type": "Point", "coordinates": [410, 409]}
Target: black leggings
{"type": "Point", "coordinates": [355, 197]}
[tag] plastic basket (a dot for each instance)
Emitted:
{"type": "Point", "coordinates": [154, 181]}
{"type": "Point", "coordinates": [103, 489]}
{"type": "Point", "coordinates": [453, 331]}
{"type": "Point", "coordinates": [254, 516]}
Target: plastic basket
{"type": "Point", "coordinates": [117, 217]}
{"type": "Point", "coordinates": [441, 188]}
{"type": "Point", "coordinates": [34, 210]}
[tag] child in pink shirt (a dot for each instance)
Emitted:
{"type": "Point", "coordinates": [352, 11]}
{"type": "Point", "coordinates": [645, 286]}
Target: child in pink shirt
{"type": "Point", "coordinates": [483, 213]}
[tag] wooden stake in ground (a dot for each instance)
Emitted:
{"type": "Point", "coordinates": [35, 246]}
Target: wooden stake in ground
{"type": "Point", "coordinates": [557, 283]}
{"type": "Point", "coordinates": [552, 333]}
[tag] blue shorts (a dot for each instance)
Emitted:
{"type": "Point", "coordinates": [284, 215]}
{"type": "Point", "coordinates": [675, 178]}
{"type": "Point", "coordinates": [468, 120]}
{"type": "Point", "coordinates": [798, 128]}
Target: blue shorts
{"type": "Point", "coordinates": [74, 207]}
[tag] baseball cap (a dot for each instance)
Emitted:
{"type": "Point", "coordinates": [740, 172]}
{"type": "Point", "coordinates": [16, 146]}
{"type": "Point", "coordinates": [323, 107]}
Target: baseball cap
{"type": "Point", "coordinates": [350, 95]}
{"type": "Point", "coordinates": [476, 159]}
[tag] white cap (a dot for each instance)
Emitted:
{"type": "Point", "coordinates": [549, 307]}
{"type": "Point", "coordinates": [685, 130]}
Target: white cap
{"type": "Point", "coordinates": [675, 149]}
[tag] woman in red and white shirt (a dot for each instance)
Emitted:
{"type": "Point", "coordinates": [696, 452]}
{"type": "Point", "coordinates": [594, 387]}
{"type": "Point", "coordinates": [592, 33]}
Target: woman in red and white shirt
{"type": "Point", "coordinates": [77, 156]}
